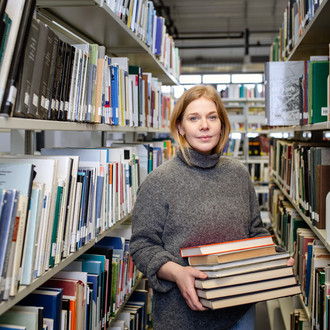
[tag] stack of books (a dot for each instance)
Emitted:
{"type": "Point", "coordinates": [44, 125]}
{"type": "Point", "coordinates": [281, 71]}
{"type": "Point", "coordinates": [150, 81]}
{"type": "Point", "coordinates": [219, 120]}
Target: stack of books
{"type": "Point", "coordinates": [241, 272]}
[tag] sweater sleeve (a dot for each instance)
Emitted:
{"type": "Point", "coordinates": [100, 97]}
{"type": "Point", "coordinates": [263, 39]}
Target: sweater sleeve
{"type": "Point", "coordinates": [149, 216]}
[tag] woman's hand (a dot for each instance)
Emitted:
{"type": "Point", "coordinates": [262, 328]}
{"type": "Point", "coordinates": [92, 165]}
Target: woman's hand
{"type": "Point", "coordinates": [184, 277]}
{"type": "Point", "coordinates": [290, 262]}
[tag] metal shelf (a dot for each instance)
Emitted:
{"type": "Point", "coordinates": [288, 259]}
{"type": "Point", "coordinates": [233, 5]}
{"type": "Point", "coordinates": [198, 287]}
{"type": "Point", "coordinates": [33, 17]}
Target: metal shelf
{"type": "Point", "coordinates": [315, 38]}
{"type": "Point", "coordinates": [11, 123]}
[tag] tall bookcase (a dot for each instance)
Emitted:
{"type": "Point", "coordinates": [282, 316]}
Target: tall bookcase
{"type": "Point", "coordinates": [94, 22]}
{"type": "Point", "coordinates": [314, 40]}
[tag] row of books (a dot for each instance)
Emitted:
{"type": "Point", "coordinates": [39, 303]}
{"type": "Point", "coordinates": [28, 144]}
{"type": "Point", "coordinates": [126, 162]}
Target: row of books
{"type": "Point", "coordinates": [297, 15]}
{"type": "Point", "coordinates": [85, 295]}
{"type": "Point", "coordinates": [141, 17]}
{"type": "Point", "coordinates": [285, 218]}
{"type": "Point", "coordinates": [313, 260]}
{"type": "Point", "coordinates": [66, 198]}
{"type": "Point", "coordinates": [302, 169]}
{"type": "Point", "coordinates": [311, 257]}
{"type": "Point", "coordinates": [236, 91]}
{"type": "Point", "coordinates": [297, 92]}
{"type": "Point", "coordinates": [79, 82]}
{"type": "Point", "coordinates": [241, 271]}
{"type": "Point", "coordinates": [259, 172]}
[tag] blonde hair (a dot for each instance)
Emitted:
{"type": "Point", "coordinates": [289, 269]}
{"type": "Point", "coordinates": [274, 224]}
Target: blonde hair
{"type": "Point", "coordinates": [189, 96]}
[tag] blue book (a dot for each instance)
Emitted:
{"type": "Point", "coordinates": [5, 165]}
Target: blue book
{"type": "Point", "coordinates": [98, 201]}
{"type": "Point", "coordinates": [308, 272]}
{"type": "Point", "coordinates": [51, 300]}
{"type": "Point", "coordinates": [7, 221]}
{"type": "Point", "coordinates": [114, 94]}
{"type": "Point", "coordinates": [94, 279]}
{"type": "Point", "coordinates": [159, 35]}
{"type": "Point", "coordinates": [12, 327]}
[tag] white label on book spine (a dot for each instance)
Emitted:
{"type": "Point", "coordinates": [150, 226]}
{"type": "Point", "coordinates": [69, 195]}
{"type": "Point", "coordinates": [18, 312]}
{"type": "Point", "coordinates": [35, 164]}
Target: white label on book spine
{"type": "Point", "coordinates": [324, 111]}
{"type": "Point", "coordinates": [35, 100]}
{"type": "Point", "coordinates": [99, 111]}
{"type": "Point", "coordinates": [26, 98]}
{"type": "Point", "coordinates": [78, 236]}
{"type": "Point", "coordinates": [53, 250]}
{"type": "Point", "coordinates": [46, 104]}
{"type": "Point", "coordinates": [12, 94]}
{"type": "Point", "coordinates": [66, 106]}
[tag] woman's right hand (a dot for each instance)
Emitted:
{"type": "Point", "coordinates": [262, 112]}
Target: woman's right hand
{"type": "Point", "coordinates": [184, 277]}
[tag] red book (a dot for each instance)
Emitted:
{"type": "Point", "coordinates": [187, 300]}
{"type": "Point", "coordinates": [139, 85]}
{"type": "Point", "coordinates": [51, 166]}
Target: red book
{"type": "Point", "coordinates": [228, 246]}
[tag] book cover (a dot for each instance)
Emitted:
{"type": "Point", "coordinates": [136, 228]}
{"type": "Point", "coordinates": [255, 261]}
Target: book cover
{"type": "Point", "coordinates": [235, 245]}
{"type": "Point", "coordinates": [15, 11]}
{"type": "Point", "coordinates": [50, 300]}
{"type": "Point", "coordinates": [317, 91]}
{"type": "Point", "coordinates": [283, 92]}
{"type": "Point", "coordinates": [32, 109]}
{"type": "Point", "coordinates": [21, 104]}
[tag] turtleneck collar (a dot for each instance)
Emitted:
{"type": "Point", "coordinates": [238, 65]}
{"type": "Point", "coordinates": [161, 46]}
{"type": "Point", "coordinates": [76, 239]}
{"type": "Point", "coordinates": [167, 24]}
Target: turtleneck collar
{"type": "Point", "coordinates": [199, 160]}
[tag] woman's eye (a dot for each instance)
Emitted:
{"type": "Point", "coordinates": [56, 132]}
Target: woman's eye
{"type": "Point", "coordinates": [193, 118]}
{"type": "Point", "coordinates": [213, 117]}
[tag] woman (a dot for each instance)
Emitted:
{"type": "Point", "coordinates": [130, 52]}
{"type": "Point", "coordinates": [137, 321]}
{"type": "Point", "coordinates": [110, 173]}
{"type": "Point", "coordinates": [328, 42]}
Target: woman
{"type": "Point", "coordinates": [198, 197]}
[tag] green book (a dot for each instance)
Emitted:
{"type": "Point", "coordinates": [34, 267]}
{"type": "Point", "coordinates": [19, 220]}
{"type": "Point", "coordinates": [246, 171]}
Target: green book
{"type": "Point", "coordinates": [317, 91]}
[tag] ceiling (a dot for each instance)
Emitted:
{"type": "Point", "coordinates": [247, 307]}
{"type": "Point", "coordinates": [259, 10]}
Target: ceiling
{"type": "Point", "coordinates": [222, 35]}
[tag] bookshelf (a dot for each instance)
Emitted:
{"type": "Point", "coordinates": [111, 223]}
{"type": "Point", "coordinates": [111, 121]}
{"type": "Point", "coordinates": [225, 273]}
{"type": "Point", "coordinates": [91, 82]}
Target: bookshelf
{"type": "Point", "coordinates": [69, 19]}
{"type": "Point", "coordinates": [93, 20]}
{"type": "Point", "coordinates": [247, 117]}
{"type": "Point", "coordinates": [314, 40]}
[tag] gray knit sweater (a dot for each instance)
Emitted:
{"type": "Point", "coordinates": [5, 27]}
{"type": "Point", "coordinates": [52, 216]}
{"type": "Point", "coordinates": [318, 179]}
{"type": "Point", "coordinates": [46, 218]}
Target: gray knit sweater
{"type": "Point", "coordinates": [180, 206]}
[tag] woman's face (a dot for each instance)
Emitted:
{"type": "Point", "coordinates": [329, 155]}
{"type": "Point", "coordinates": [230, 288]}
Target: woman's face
{"type": "Point", "coordinates": [201, 125]}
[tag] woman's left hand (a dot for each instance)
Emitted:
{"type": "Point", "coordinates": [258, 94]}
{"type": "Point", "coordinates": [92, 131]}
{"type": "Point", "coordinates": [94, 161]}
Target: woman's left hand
{"type": "Point", "coordinates": [290, 262]}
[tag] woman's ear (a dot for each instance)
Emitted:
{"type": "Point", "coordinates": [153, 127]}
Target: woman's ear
{"type": "Point", "coordinates": [180, 130]}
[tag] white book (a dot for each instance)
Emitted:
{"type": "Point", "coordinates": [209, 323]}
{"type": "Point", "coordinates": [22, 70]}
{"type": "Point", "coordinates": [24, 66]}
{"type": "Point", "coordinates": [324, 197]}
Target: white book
{"type": "Point", "coordinates": [32, 226]}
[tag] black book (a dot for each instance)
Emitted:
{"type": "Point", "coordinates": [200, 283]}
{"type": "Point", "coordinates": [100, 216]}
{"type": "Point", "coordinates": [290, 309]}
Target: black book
{"type": "Point", "coordinates": [9, 97]}
{"type": "Point", "coordinates": [61, 83]}
{"type": "Point", "coordinates": [53, 100]}
{"type": "Point", "coordinates": [26, 71]}
{"type": "Point", "coordinates": [43, 101]}
{"type": "Point", "coordinates": [37, 72]}
{"type": "Point", "coordinates": [51, 77]}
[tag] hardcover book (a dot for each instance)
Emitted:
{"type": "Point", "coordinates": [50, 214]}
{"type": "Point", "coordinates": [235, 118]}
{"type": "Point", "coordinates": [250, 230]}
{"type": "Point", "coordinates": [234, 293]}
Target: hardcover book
{"type": "Point", "coordinates": [235, 245]}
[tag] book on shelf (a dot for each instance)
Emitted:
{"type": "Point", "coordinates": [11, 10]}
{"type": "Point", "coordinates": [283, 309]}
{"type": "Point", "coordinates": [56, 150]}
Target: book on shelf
{"type": "Point", "coordinates": [318, 72]}
{"type": "Point", "coordinates": [229, 246]}
{"type": "Point", "coordinates": [22, 316]}
{"type": "Point", "coordinates": [20, 177]}
{"type": "Point", "coordinates": [8, 207]}
{"type": "Point", "coordinates": [283, 92]}
{"type": "Point", "coordinates": [15, 12]}
{"type": "Point", "coordinates": [50, 300]}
